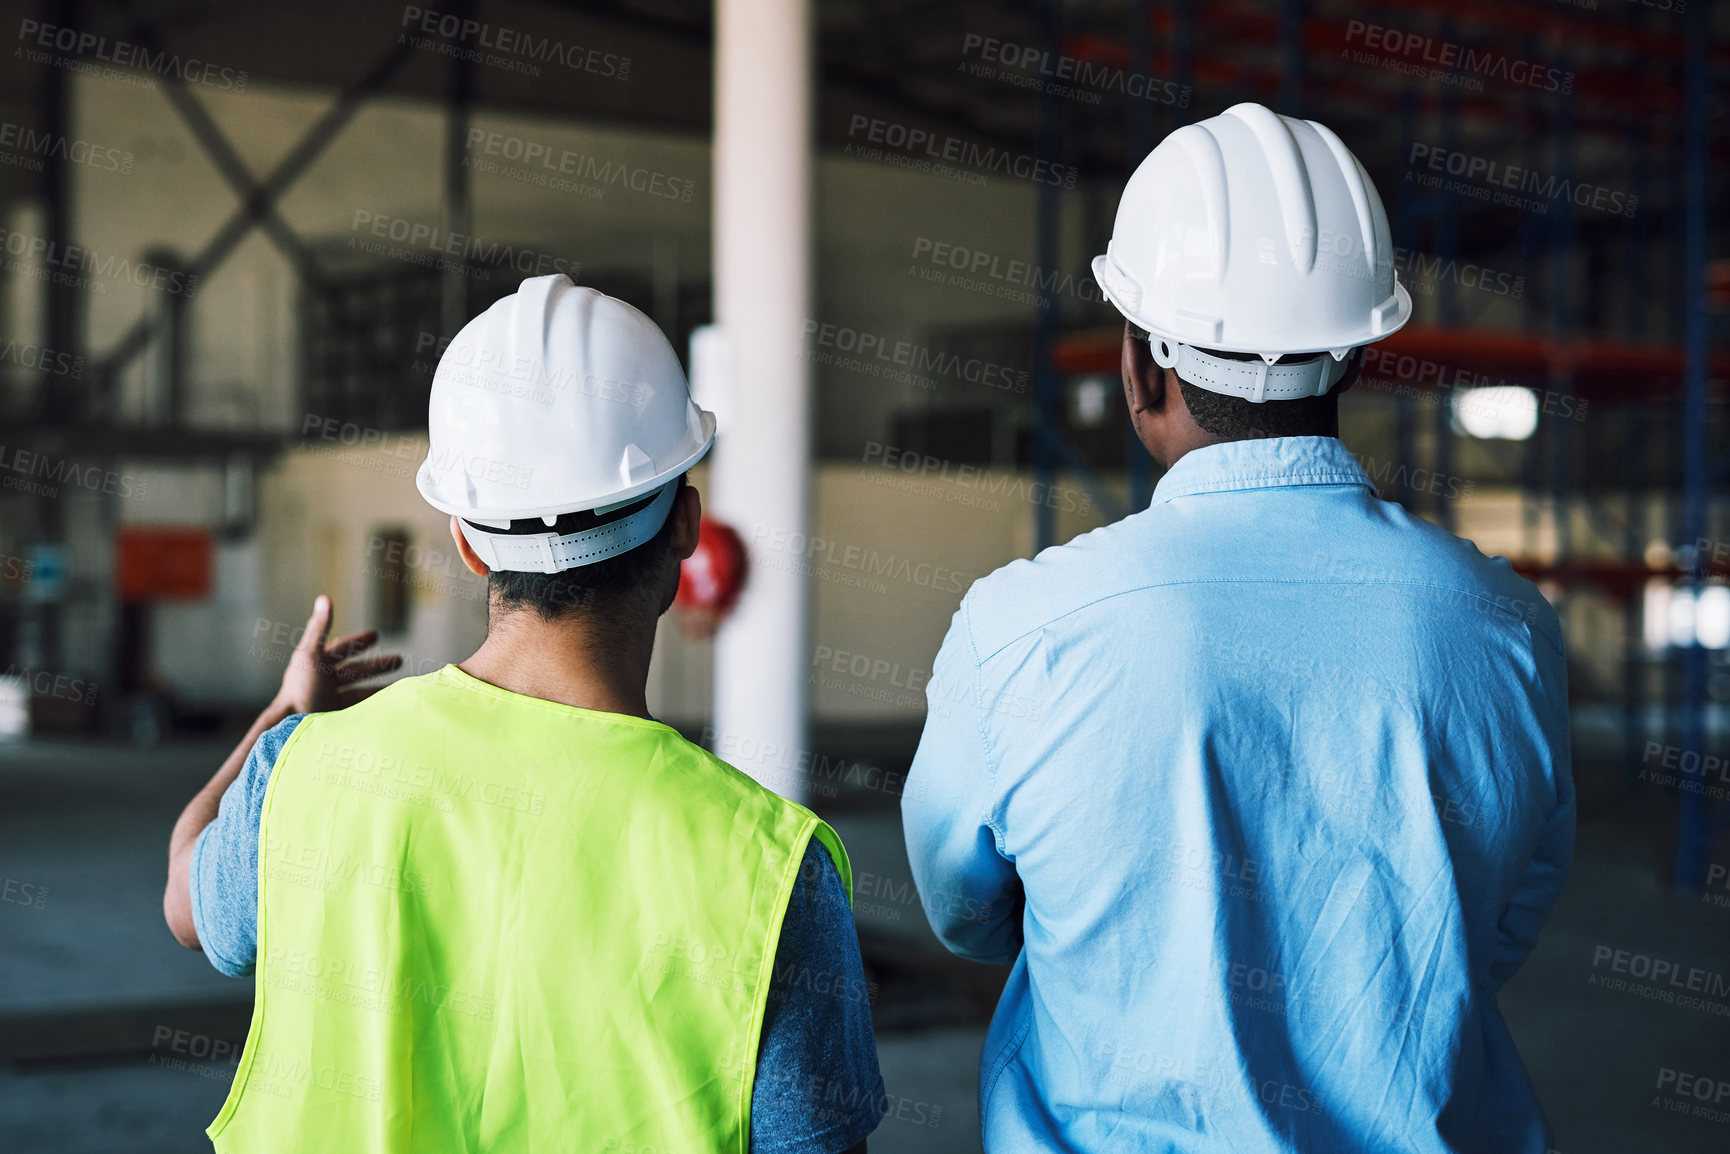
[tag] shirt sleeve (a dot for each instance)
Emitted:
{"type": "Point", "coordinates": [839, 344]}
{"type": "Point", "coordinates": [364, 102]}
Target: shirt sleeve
{"type": "Point", "coordinates": [818, 1089]}
{"type": "Point", "coordinates": [224, 877]}
{"type": "Point", "coordinates": [968, 886]}
{"type": "Point", "coordinates": [1534, 898]}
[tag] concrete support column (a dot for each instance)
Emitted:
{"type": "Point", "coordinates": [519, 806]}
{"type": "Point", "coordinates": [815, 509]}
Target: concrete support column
{"type": "Point", "coordinates": [761, 476]}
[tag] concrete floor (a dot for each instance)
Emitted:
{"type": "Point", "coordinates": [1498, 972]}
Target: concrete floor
{"type": "Point", "coordinates": [85, 827]}
{"type": "Point", "coordinates": [137, 1106]}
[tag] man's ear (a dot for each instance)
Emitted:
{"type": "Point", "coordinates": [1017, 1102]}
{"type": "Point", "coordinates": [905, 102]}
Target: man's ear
{"type": "Point", "coordinates": [1143, 379]}
{"type": "Point", "coordinates": [467, 551]}
{"type": "Point", "coordinates": [687, 518]}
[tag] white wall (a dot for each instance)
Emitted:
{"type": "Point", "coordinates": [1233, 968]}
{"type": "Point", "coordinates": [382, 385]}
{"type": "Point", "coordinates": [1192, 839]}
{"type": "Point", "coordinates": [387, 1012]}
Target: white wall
{"type": "Point", "coordinates": [888, 574]}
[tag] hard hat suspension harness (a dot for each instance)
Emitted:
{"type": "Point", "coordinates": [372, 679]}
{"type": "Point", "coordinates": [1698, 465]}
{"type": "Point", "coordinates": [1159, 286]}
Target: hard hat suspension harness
{"type": "Point", "coordinates": [554, 553]}
{"type": "Point", "coordinates": [1255, 380]}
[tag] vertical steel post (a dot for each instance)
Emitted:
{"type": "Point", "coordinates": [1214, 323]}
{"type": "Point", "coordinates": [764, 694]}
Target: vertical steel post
{"type": "Point", "coordinates": [1447, 299]}
{"type": "Point", "coordinates": [1137, 464]}
{"type": "Point", "coordinates": [1634, 445]}
{"type": "Point", "coordinates": [1559, 378]}
{"type": "Point", "coordinates": [1532, 252]}
{"type": "Point", "coordinates": [1639, 491]}
{"type": "Point", "coordinates": [1291, 57]}
{"type": "Point", "coordinates": [458, 207]}
{"type": "Point", "coordinates": [1046, 386]}
{"type": "Point", "coordinates": [1409, 207]}
{"type": "Point", "coordinates": [59, 400]}
{"type": "Point", "coordinates": [1694, 842]}
{"type": "Point", "coordinates": [1183, 53]}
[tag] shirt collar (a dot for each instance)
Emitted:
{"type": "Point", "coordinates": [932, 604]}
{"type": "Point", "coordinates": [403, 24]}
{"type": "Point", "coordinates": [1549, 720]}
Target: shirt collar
{"type": "Point", "coordinates": [1263, 463]}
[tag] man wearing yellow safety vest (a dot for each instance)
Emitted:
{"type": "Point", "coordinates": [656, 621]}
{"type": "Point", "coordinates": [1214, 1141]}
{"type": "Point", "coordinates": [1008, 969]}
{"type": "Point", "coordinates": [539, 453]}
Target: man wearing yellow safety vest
{"type": "Point", "coordinates": [1266, 784]}
{"type": "Point", "coordinates": [500, 907]}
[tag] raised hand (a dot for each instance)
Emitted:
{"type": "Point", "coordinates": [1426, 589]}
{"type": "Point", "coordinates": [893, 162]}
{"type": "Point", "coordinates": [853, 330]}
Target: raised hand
{"type": "Point", "coordinates": [320, 676]}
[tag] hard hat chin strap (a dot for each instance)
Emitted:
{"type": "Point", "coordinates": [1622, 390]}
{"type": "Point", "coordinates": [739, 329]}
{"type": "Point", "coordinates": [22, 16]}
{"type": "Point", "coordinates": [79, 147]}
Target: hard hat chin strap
{"type": "Point", "coordinates": [1255, 380]}
{"type": "Point", "coordinates": [552, 553]}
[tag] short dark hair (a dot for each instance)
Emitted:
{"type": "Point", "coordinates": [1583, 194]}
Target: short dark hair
{"type": "Point", "coordinates": [1236, 419]}
{"type": "Point", "coordinates": [586, 588]}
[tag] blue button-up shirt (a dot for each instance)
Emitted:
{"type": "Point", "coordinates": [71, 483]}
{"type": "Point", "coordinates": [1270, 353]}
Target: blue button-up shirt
{"type": "Point", "coordinates": [1265, 792]}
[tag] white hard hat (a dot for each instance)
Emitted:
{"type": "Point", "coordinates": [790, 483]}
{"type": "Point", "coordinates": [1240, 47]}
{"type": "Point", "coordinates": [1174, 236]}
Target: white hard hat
{"type": "Point", "coordinates": [1251, 232]}
{"type": "Point", "coordinates": [557, 400]}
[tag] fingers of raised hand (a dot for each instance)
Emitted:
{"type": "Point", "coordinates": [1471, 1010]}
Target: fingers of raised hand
{"type": "Point", "coordinates": [317, 626]}
{"type": "Point", "coordinates": [348, 646]}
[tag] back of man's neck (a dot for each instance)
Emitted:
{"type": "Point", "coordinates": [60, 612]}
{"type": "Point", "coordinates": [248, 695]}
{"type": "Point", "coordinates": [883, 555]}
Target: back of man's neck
{"type": "Point", "coordinates": [565, 662]}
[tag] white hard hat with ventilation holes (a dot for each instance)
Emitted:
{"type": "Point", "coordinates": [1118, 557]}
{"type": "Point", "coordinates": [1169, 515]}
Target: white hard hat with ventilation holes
{"type": "Point", "coordinates": [1251, 232]}
{"type": "Point", "coordinates": [559, 399]}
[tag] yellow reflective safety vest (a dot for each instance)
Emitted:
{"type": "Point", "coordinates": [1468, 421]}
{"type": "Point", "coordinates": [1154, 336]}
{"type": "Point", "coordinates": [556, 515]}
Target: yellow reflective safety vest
{"type": "Point", "coordinates": [489, 922]}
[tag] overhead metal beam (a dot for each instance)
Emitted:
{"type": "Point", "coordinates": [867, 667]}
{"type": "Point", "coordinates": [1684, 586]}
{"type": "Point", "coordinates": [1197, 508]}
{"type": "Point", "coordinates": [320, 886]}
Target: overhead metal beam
{"type": "Point", "coordinates": [234, 171]}
{"type": "Point", "coordinates": [264, 196]}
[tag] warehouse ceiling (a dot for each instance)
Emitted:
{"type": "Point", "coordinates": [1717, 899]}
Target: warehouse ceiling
{"type": "Point", "coordinates": [966, 70]}
{"type": "Point", "coordinates": [995, 85]}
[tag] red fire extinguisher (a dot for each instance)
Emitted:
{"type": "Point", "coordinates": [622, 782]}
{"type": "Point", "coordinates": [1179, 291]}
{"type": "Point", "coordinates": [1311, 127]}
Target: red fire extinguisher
{"type": "Point", "coordinates": [710, 580]}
